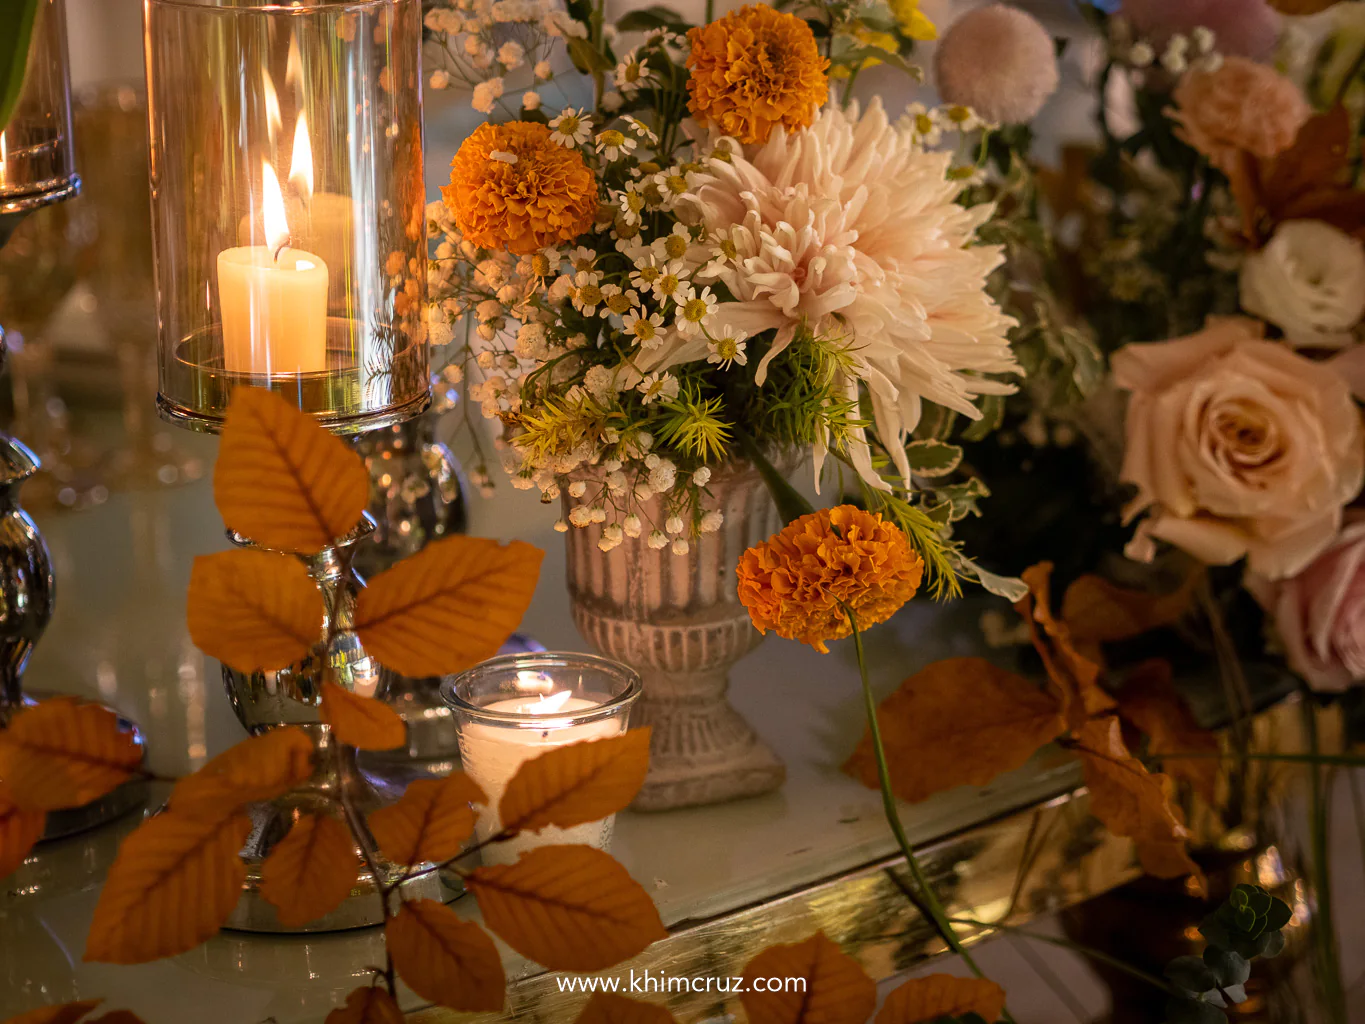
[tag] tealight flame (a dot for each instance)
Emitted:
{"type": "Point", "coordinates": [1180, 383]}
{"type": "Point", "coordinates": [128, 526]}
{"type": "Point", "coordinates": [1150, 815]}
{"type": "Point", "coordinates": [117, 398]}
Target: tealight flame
{"type": "Point", "coordinates": [276, 225]}
{"type": "Point", "coordinates": [301, 164]}
{"type": "Point", "coordinates": [549, 705]}
{"type": "Point", "coordinates": [274, 121]}
{"type": "Point", "coordinates": [293, 71]}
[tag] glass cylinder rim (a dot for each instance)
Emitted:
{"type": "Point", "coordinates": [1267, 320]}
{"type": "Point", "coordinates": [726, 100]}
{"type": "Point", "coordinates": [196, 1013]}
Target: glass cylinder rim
{"type": "Point", "coordinates": [531, 660]}
{"type": "Point", "coordinates": [271, 7]}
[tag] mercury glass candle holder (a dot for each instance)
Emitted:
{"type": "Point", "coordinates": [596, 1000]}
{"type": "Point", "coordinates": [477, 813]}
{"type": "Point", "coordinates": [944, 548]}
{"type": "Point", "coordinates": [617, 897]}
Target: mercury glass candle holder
{"type": "Point", "coordinates": [288, 207]}
{"type": "Point", "coordinates": [37, 158]}
{"type": "Point", "coordinates": [514, 707]}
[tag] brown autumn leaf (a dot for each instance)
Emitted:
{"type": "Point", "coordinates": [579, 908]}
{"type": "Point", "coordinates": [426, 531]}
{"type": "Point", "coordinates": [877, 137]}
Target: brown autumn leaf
{"type": "Point", "coordinates": [444, 958]}
{"type": "Point", "coordinates": [65, 753]}
{"type": "Point", "coordinates": [450, 606]}
{"type": "Point", "coordinates": [66, 1013]}
{"type": "Point", "coordinates": [430, 822]}
{"type": "Point", "coordinates": [254, 610]}
{"type": "Point", "coordinates": [282, 481]}
{"type": "Point", "coordinates": [942, 995]}
{"type": "Point", "coordinates": [1075, 677]}
{"type": "Point", "coordinates": [117, 1017]}
{"type": "Point", "coordinates": [19, 830]}
{"type": "Point", "coordinates": [173, 884]}
{"type": "Point", "coordinates": [259, 768]}
{"type": "Point", "coordinates": [961, 721]}
{"type": "Point", "coordinates": [311, 870]}
{"type": "Point", "coordinates": [837, 989]}
{"type": "Point", "coordinates": [570, 908]}
{"type": "Point", "coordinates": [368, 1004]}
{"type": "Point", "coordinates": [1133, 802]}
{"type": "Point", "coordinates": [609, 1008]}
{"type": "Point", "coordinates": [1097, 611]}
{"type": "Point", "coordinates": [1150, 701]}
{"type": "Point", "coordinates": [363, 722]}
{"type": "Point", "coordinates": [576, 783]}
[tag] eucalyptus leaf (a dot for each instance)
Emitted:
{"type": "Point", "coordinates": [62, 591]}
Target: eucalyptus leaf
{"type": "Point", "coordinates": [587, 58]}
{"type": "Point", "coordinates": [652, 17]}
{"type": "Point", "coordinates": [1011, 588]}
{"type": "Point", "coordinates": [17, 18]}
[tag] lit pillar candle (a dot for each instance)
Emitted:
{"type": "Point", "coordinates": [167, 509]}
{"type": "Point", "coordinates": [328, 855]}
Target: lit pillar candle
{"type": "Point", "coordinates": [493, 753]}
{"type": "Point", "coordinates": [273, 299]}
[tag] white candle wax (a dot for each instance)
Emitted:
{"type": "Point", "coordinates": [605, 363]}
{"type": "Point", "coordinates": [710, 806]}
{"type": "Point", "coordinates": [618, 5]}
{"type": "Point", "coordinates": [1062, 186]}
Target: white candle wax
{"type": "Point", "coordinates": [492, 753]}
{"type": "Point", "coordinates": [274, 310]}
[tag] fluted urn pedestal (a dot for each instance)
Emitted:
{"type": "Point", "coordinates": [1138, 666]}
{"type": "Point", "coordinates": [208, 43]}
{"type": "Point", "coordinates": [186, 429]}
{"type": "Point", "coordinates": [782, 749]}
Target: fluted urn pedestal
{"type": "Point", "coordinates": [677, 620]}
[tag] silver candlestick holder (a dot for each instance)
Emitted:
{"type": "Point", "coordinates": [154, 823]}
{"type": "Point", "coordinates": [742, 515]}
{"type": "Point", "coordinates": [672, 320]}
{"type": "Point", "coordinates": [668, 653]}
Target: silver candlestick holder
{"type": "Point", "coordinates": [37, 168]}
{"type": "Point", "coordinates": [293, 696]}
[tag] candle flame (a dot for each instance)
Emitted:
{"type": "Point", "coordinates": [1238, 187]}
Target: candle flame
{"type": "Point", "coordinates": [276, 225]}
{"type": "Point", "coordinates": [293, 71]}
{"type": "Point", "coordinates": [301, 165]}
{"type": "Point", "coordinates": [274, 121]}
{"type": "Point", "coordinates": [550, 704]}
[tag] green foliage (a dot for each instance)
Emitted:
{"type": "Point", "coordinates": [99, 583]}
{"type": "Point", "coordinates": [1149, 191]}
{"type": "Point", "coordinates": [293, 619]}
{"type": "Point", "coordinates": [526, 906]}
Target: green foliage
{"type": "Point", "coordinates": [692, 425]}
{"type": "Point", "coordinates": [933, 458]}
{"type": "Point", "coordinates": [17, 18]}
{"type": "Point", "coordinates": [1248, 925]}
{"type": "Point", "coordinates": [647, 18]}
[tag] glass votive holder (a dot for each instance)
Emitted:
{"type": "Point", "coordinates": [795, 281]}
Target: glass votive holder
{"type": "Point", "coordinates": [514, 707]}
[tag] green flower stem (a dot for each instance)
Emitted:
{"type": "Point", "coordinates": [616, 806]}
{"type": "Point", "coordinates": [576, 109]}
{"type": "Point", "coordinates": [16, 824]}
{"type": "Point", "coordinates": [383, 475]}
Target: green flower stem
{"type": "Point", "coordinates": [928, 896]}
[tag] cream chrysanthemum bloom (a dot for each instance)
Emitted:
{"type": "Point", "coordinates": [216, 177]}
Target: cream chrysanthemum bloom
{"type": "Point", "coordinates": [850, 226]}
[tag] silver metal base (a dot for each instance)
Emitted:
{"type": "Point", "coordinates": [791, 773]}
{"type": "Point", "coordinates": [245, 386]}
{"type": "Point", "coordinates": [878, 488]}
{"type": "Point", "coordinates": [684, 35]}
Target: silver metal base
{"type": "Point", "coordinates": [123, 800]}
{"type": "Point", "coordinates": [367, 786]}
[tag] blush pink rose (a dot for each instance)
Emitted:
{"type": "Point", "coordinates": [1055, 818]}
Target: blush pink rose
{"type": "Point", "coordinates": [1238, 448]}
{"type": "Point", "coordinates": [1320, 613]}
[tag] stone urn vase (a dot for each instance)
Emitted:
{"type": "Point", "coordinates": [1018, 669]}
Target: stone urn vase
{"type": "Point", "coordinates": [677, 621]}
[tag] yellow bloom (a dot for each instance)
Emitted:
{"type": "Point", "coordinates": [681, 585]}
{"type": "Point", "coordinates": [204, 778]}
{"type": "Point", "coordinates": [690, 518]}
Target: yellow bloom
{"type": "Point", "coordinates": [912, 21]}
{"type": "Point", "coordinates": [754, 69]}
{"type": "Point", "coordinates": [512, 185]}
{"type": "Point", "coordinates": [799, 581]}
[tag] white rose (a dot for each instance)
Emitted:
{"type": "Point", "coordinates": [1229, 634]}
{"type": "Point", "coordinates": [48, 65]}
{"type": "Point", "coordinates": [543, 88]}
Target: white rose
{"type": "Point", "coordinates": [1310, 282]}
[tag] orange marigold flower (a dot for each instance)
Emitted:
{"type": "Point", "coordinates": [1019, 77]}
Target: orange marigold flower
{"type": "Point", "coordinates": [512, 185]}
{"type": "Point", "coordinates": [798, 581]}
{"type": "Point", "coordinates": [754, 69]}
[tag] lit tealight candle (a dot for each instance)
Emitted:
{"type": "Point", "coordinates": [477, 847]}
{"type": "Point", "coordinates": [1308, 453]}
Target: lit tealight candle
{"type": "Point", "coordinates": [273, 299]}
{"type": "Point", "coordinates": [492, 753]}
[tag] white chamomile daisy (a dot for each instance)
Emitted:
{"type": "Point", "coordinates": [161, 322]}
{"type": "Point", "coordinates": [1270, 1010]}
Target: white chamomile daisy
{"type": "Point", "coordinates": [658, 386]}
{"type": "Point", "coordinates": [675, 245]}
{"type": "Point", "coordinates": [727, 347]}
{"type": "Point", "coordinates": [586, 298]}
{"type": "Point", "coordinates": [632, 74]}
{"type": "Point", "coordinates": [641, 129]}
{"type": "Point", "coordinates": [614, 300]}
{"type": "Point", "coordinates": [694, 311]}
{"type": "Point", "coordinates": [670, 285]}
{"type": "Point", "coordinates": [674, 183]}
{"type": "Point", "coordinates": [925, 124]}
{"type": "Point", "coordinates": [614, 145]}
{"type": "Point", "coordinates": [647, 272]}
{"type": "Point", "coordinates": [571, 128]}
{"type": "Point", "coordinates": [646, 330]}
{"type": "Point", "coordinates": [632, 202]}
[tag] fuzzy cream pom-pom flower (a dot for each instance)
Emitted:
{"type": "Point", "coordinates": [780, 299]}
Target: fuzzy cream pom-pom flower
{"type": "Point", "coordinates": [999, 61]}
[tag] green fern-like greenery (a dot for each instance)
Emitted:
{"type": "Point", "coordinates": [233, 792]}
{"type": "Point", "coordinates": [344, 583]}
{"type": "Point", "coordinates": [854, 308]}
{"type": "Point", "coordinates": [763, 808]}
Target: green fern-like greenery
{"type": "Point", "coordinates": [692, 425]}
{"type": "Point", "coordinates": [926, 537]}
